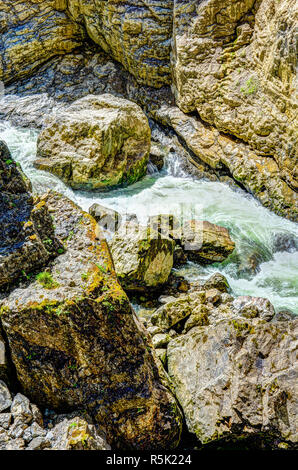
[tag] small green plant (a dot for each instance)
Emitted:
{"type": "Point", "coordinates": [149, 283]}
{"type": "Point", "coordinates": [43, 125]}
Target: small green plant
{"type": "Point", "coordinates": [9, 161]}
{"type": "Point", "coordinates": [101, 268]}
{"type": "Point", "coordinates": [48, 241]}
{"type": "Point", "coordinates": [250, 87]}
{"type": "Point", "coordinates": [46, 280]}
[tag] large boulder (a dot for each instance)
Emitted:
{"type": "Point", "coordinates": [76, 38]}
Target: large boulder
{"type": "Point", "coordinates": [234, 370]}
{"type": "Point", "coordinates": [76, 344]}
{"type": "Point", "coordinates": [234, 63]}
{"type": "Point", "coordinates": [27, 238]}
{"type": "Point", "coordinates": [143, 257]}
{"type": "Point", "coordinates": [134, 32]}
{"type": "Point", "coordinates": [98, 142]}
{"type": "Point", "coordinates": [32, 32]}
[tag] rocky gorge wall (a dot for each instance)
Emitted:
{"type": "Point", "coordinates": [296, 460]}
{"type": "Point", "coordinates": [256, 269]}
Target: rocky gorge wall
{"type": "Point", "coordinates": [231, 67]}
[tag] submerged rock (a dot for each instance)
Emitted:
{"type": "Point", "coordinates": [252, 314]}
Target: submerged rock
{"type": "Point", "coordinates": [27, 238]}
{"type": "Point", "coordinates": [76, 344]}
{"type": "Point", "coordinates": [98, 142]}
{"type": "Point", "coordinates": [143, 257]}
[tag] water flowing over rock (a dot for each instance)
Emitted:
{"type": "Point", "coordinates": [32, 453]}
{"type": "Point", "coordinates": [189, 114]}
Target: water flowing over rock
{"type": "Point", "coordinates": [76, 343]}
{"type": "Point", "coordinates": [143, 257]}
{"type": "Point", "coordinates": [98, 142]}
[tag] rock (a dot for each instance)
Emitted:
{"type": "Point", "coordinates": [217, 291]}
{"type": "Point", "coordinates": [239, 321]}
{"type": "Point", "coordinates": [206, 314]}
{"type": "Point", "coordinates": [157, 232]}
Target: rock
{"type": "Point", "coordinates": [177, 310]}
{"type": "Point", "coordinates": [4, 365]}
{"type": "Point", "coordinates": [160, 340]}
{"type": "Point", "coordinates": [251, 307]}
{"type": "Point", "coordinates": [27, 241]}
{"type": "Point", "coordinates": [258, 174]}
{"type": "Point", "coordinates": [285, 242]}
{"type": "Point", "coordinates": [135, 33]}
{"type": "Point", "coordinates": [32, 33]}
{"type": "Point", "coordinates": [180, 257]}
{"type": "Point", "coordinates": [236, 379]}
{"type": "Point", "coordinates": [248, 55]}
{"type": "Point", "coordinates": [158, 154]}
{"type": "Point", "coordinates": [80, 346]}
{"type": "Point", "coordinates": [107, 218]}
{"type": "Point", "coordinates": [284, 315]}
{"type": "Point", "coordinates": [98, 142]}
{"type": "Point", "coordinates": [143, 258]}
{"type": "Point", "coordinates": [5, 397]}
{"type": "Point", "coordinates": [38, 443]}
{"type": "Point", "coordinates": [206, 243]}
{"type": "Point", "coordinates": [162, 355]}
{"type": "Point", "coordinates": [216, 281]}
{"type": "Point", "coordinates": [21, 409]}
{"type": "Point", "coordinates": [166, 224]}
{"type": "Point", "coordinates": [76, 434]}
{"type": "Point", "coordinates": [5, 420]}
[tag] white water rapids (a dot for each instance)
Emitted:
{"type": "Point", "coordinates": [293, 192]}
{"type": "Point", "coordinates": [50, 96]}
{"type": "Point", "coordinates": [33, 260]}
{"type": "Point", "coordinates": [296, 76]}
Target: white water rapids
{"type": "Point", "coordinates": [251, 226]}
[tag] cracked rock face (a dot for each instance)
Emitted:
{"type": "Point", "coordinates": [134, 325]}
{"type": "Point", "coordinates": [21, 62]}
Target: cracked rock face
{"type": "Point", "coordinates": [31, 33]}
{"type": "Point", "coordinates": [234, 369]}
{"type": "Point", "coordinates": [234, 63]}
{"type": "Point", "coordinates": [136, 33]}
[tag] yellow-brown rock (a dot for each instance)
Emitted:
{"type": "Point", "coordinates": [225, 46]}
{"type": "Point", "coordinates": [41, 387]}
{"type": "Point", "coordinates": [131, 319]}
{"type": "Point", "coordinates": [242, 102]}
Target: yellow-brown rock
{"type": "Point", "coordinates": [136, 33]}
{"type": "Point", "coordinates": [32, 32]}
{"type": "Point", "coordinates": [234, 63]}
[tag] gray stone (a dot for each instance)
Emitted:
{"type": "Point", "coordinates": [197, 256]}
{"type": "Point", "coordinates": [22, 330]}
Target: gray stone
{"type": "Point", "coordinates": [5, 397]}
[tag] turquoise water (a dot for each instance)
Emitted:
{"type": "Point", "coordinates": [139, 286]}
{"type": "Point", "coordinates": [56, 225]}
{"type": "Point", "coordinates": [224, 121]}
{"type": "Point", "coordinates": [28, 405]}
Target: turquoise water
{"type": "Point", "coordinates": [252, 226]}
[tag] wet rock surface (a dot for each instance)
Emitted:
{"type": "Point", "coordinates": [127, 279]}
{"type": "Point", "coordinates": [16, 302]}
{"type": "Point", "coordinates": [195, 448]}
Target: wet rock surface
{"type": "Point", "coordinates": [27, 238]}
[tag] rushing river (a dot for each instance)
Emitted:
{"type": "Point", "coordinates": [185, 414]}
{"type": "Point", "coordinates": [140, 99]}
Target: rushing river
{"type": "Point", "coordinates": [252, 227]}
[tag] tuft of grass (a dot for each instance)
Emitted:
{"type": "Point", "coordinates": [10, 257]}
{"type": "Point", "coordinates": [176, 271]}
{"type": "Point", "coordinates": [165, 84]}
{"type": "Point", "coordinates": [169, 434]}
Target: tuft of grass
{"type": "Point", "coordinates": [250, 87]}
{"type": "Point", "coordinates": [46, 280]}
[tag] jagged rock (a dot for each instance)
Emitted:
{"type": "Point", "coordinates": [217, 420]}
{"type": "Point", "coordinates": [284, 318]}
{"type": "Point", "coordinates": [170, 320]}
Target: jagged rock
{"type": "Point", "coordinates": [107, 218]}
{"type": "Point", "coordinates": [205, 242]}
{"type": "Point", "coordinates": [76, 434]}
{"type": "Point", "coordinates": [259, 174]}
{"type": "Point", "coordinates": [251, 307]}
{"type": "Point", "coordinates": [234, 63]}
{"type": "Point", "coordinates": [27, 240]}
{"type": "Point", "coordinates": [236, 378]}
{"type": "Point", "coordinates": [31, 33]}
{"type": "Point", "coordinates": [134, 32]}
{"type": "Point", "coordinates": [177, 310]}
{"type": "Point", "coordinates": [143, 258]}
{"type": "Point", "coordinates": [5, 397]}
{"type": "Point", "coordinates": [98, 142]}
{"type": "Point", "coordinates": [78, 343]}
